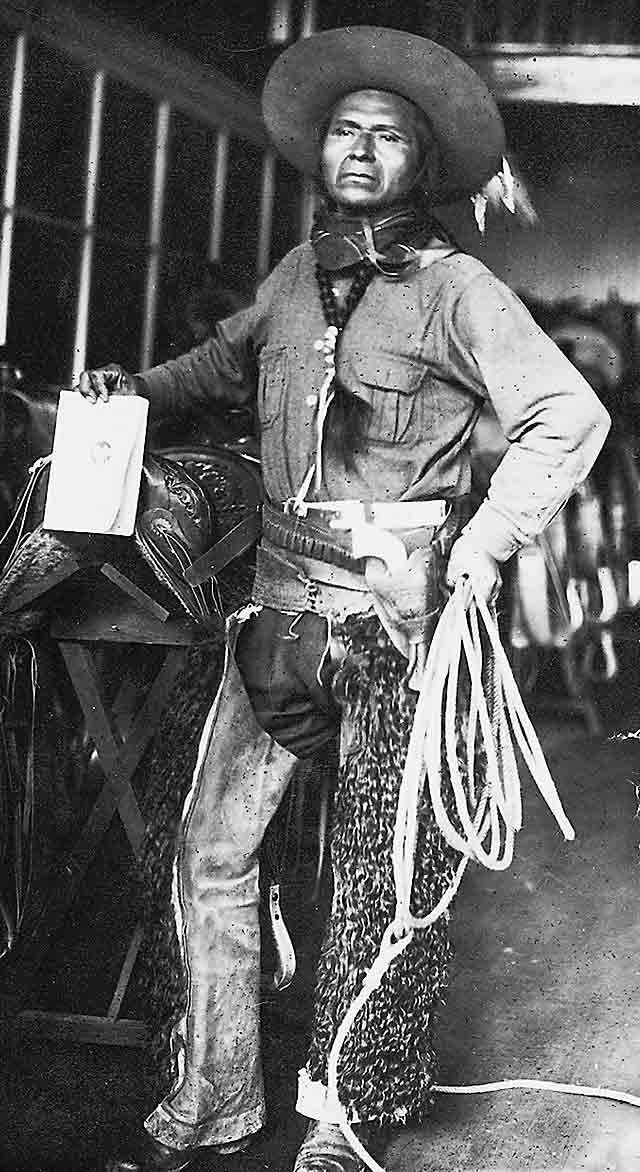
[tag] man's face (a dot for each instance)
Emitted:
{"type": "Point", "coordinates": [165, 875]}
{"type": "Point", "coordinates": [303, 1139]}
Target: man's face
{"type": "Point", "coordinates": [373, 150]}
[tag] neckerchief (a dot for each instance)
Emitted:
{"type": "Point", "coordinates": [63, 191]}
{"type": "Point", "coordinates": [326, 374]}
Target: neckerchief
{"type": "Point", "coordinates": [389, 239]}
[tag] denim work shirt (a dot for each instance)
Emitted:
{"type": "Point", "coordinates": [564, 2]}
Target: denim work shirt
{"type": "Point", "coordinates": [425, 352]}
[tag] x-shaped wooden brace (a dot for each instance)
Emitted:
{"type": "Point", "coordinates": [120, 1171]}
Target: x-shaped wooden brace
{"type": "Point", "coordinates": [119, 762]}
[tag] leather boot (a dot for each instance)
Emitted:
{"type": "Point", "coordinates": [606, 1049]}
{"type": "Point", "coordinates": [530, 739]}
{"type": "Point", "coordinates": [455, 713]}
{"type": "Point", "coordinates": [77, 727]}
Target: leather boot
{"type": "Point", "coordinates": [325, 1148]}
{"type": "Point", "coordinates": [155, 1156]}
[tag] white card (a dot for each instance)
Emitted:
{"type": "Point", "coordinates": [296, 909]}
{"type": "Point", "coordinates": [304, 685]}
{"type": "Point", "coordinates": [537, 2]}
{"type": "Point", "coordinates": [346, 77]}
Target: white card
{"type": "Point", "coordinates": [94, 481]}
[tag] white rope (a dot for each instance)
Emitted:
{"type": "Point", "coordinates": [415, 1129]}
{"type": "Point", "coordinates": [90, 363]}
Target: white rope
{"type": "Point", "coordinates": [21, 511]}
{"type": "Point", "coordinates": [538, 1084]}
{"type": "Point", "coordinates": [466, 639]}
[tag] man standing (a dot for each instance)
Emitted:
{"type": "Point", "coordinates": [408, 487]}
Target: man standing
{"type": "Point", "coordinates": [371, 350]}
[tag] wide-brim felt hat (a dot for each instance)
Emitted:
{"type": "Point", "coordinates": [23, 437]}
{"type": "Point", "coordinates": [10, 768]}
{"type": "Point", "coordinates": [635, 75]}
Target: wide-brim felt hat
{"type": "Point", "coordinates": [308, 78]}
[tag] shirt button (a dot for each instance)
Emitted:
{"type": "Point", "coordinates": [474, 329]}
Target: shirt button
{"type": "Point", "coordinates": [311, 400]}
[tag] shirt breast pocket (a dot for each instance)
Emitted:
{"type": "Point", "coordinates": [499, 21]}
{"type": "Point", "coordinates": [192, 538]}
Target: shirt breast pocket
{"type": "Point", "coordinates": [273, 377]}
{"type": "Point", "coordinates": [392, 385]}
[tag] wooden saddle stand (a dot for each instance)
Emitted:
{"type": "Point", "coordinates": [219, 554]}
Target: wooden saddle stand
{"type": "Point", "coordinates": [93, 599]}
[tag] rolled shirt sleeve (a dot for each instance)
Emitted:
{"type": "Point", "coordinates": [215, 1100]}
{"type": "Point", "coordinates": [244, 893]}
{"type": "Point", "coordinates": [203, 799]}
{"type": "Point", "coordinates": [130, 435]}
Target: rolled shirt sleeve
{"type": "Point", "coordinates": [554, 423]}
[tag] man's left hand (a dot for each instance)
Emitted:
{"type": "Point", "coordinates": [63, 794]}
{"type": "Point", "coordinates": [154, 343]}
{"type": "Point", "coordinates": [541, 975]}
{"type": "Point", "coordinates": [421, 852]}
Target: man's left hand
{"type": "Point", "coordinates": [479, 566]}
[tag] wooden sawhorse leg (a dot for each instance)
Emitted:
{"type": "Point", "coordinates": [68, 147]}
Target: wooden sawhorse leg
{"type": "Point", "coordinates": [118, 760]}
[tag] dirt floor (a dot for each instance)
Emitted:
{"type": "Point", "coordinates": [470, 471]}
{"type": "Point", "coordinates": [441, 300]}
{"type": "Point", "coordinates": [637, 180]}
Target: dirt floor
{"type": "Point", "coordinates": [544, 986]}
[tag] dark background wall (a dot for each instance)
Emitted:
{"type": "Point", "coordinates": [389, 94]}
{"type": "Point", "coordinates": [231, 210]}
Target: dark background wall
{"type": "Point", "coordinates": [580, 162]}
{"type": "Point", "coordinates": [583, 172]}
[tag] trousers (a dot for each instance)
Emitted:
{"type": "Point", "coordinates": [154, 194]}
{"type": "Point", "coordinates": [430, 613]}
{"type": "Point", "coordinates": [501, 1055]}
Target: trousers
{"type": "Point", "coordinates": [273, 708]}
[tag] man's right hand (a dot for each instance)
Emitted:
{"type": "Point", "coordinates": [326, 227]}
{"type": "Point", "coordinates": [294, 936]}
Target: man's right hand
{"type": "Point", "coordinates": [107, 380]}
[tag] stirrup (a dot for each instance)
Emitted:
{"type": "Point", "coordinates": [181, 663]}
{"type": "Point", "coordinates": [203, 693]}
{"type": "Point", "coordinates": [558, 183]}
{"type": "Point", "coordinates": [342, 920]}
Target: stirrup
{"type": "Point", "coordinates": [325, 1148]}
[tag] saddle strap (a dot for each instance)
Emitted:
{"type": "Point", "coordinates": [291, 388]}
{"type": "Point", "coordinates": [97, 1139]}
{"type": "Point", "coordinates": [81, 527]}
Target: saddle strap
{"type": "Point", "coordinates": [18, 521]}
{"type": "Point", "coordinates": [234, 543]}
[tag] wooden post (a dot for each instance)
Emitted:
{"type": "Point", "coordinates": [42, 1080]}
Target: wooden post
{"type": "Point", "coordinates": [267, 196]}
{"type": "Point", "coordinates": [160, 164]}
{"type": "Point", "coordinates": [88, 225]}
{"type": "Point", "coordinates": [218, 194]}
{"type": "Point", "coordinates": [10, 180]}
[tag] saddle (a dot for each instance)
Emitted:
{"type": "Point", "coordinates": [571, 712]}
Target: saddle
{"type": "Point", "coordinates": [189, 501]}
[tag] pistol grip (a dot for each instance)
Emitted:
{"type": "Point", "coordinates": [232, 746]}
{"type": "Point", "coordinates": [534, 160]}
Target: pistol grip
{"type": "Point", "coordinates": [369, 541]}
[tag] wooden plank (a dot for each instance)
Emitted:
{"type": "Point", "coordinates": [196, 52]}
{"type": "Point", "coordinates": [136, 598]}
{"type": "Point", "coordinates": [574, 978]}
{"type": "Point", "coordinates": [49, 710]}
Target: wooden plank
{"type": "Point", "coordinates": [35, 590]}
{"type": "Point", "coordinates": [125, 973]}
{"type": "Point", "coordinates": [81, 1028]}
{"type": "Point", "coordinates": [232, 545]}
{"type": "Point", "coordinates": [110, 621]}
{"type": "Point", "coordinates": [118, 762]}
{"type": "Point", "coordinates": [121, 762]}
{"type": "Point", "coordinates": [145, 600]}
{"type": "Point", "coordinates": [123, 707]}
